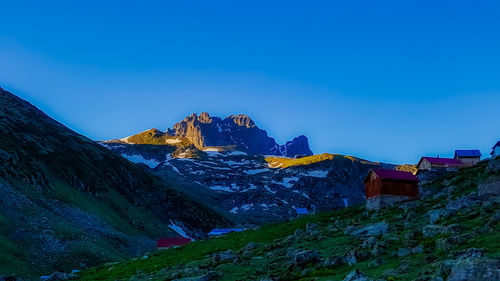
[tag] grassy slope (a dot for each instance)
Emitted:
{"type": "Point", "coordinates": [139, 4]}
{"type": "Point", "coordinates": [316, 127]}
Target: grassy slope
{"type": "Point", "coordinates": [56, 169]}
{"type": "Point", "coordinates": [284, 162]}
{"type": "Point", "coordinates": [336, 243]}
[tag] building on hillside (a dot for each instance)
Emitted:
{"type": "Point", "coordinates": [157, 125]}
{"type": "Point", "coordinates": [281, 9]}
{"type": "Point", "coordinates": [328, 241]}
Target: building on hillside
{"type": "Point", "coordinates": [223, 231]}
{"type": "Point", "coordinates": [468, 157]}
{"type": "Point", "coordinates": [301, 212]}
{"type": "Point", "coordinates": [169, 242]}
{"type": "Point", "coordinates": [384, 187]}
{"type": "Point", "coordinates": [430, 168]}
{"type": "Point", "coordinates": [495, 150]}
{"type": "Point", "coordinates": [437, 163]}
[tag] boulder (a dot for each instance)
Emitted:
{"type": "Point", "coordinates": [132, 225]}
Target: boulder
{"type": "Point", "coordinates": [417, 250]}
{"type": "Point", "coordinates": [475, 269]}
{"type": "Point", "coordinates": [402, 252]}
{"type": "Point", "coordinates": [377, 262]}
{"type": "Point", "coordinates": [369, 230]}
{"type": "Point", "coordinates": [357, 275]}
{"type": "Point", "coordinates": [331, 262]}
{"type": "Point", "coordinates": [490, 186]}
{"type": "Point", "coordinates": [466, 201]}
{"type": "Point", "coordinates": [430, 231]}
{"type": "Point", "coordinates": [369, 243]}
{"type": "Point", "coordinates": [302, 258]}
{"type": "Point", "coordinates": [435, 215]}
{"type": "Point", "coordinates": [310, 227]}
{"type": "Point", "coordinates": [350, 257]}
{"type": "Point", "coordinates": [378, 249]}
{"type": "Point", "coordinates": [58, 276]}
{"type": "Point", "coordinates": [222, 257]}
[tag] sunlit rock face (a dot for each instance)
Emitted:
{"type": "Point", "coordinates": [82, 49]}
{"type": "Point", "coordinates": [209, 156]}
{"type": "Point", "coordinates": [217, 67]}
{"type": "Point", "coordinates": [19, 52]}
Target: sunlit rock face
{"type": "Point", "coordinates": [236, 130]}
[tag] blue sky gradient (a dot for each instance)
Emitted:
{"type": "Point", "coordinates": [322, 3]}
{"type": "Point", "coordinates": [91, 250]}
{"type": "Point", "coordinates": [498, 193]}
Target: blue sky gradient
{"type": "Point", "coordinates": [387, 81]}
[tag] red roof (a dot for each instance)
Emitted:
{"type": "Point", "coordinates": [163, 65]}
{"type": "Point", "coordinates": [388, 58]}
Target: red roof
{"type": "Point", "coordinates": [443, 161]}
{"type": "Point", "coordinates": [172, 241]}
{"type": "Point", "coordinates": [387, 174]}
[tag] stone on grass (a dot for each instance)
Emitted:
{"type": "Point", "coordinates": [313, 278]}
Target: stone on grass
{"type": "Point", "coordinates": [375, 229]}
{"type": "Point", "coordinates": [475, 268]}
{"type": "Point", "coordinates": [357, 275]}
{"type": "Point", "coordinates": [417, 250]}
{"type": "Point", "coordinates": [377, 262]}
{"type": "Point", "coordinates": [331, 262]}
{"type": "Point", "coordinates": [350, 257]}
{"type": "Point", "coordinates": [301, 258]}
{"type": "Point", "coordinates": [402, 252]}
{"type": "Point", "coordinates": [430, 231]}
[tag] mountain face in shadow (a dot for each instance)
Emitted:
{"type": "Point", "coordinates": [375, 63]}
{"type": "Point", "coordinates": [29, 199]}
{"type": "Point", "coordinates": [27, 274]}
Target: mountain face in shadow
{"type": "Point", "coordinates": [67, 203]}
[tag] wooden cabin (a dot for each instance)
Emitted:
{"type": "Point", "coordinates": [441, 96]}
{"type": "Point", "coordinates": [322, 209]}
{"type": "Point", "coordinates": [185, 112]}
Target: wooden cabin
{"type": "Point", "coordinates": [468, 157]}
{"type": "Point", "coordinates": [169, 242]}
{"type": "Point", "coordinates": [302, 211]}
{"type": "Point", "coordinates": [384, 187]}
{"type": "Point", "coordinates": [495, 150]}
{"type": "Point", "coordinates": [437, 163]}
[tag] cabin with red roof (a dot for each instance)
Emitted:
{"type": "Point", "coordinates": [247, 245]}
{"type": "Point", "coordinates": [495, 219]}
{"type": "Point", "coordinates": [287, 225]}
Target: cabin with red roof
{"type": "Point", "coordinates": [169, 242]}
{"type": "Point", "coordinates": [384, 187]}
{"type": "Point", "coordinates": [437, 163]}
{"type": "Point", "coordinates": [431, 168]}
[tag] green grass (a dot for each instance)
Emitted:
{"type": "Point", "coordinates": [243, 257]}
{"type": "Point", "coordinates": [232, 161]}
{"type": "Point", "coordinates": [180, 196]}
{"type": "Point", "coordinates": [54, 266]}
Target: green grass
{"type": "Point", "coordinates": [336, 243]}
{"type": "Point", "coordinates": [284, 162]}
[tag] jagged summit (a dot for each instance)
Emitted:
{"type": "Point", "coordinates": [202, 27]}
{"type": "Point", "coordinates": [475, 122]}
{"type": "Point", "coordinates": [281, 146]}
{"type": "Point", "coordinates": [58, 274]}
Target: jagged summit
{"type": "Point", "coordinates": [239, 130]}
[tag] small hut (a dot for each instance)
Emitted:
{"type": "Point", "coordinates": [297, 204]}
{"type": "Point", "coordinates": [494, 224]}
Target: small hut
{"type": "Point", "coordinates": [468, 157]}
{"type": "Point", "coordinates": [384, 187]}
{"type": "Point", "coordinates": [302, 212]}
{"type": "Point", "coordinates": [438, 163]}
{"type": "Point", "coordinates": [169, 242]}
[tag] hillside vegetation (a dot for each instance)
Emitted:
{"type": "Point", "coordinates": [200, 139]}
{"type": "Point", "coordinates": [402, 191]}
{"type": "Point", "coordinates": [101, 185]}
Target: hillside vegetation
{"type": "Point", "coordinates": [285, 162]}
{"type": "Point", "coordinates": [450, 233]}
{"type": "Point", "coordinates": [68, 203]}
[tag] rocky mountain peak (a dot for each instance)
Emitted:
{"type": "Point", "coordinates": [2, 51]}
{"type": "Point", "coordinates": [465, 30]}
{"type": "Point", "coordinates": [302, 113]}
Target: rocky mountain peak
{"type": "Point", "coordinates": [239, 130]}
{"type": "Point", "coordinates": [205, 118]}
{"type": "Point", "coordinates": [242, 120]}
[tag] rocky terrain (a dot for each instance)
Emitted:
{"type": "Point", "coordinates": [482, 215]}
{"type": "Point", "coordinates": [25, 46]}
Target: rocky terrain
{"type": "Point", "coordinates": [239, 131]}
{"type": "Point", "coordinates": [251, 188]}
{"type": "Point", "coordinates": [451, 233]}
{"type": "Point", "coordinates": [67, 203]}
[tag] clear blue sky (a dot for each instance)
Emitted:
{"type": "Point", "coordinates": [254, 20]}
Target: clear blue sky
{"type": "Point", "coordinates": [387, 81]}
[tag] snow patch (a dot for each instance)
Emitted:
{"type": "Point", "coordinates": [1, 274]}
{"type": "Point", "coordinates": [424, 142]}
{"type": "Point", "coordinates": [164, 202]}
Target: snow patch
{"type": "Point", "coordinates": [246, 207]}
{"type": "Point", "coordinates": [256, 171]}
{"type": "Point", "coordinates": [179, 230]}
{"type": "Point", "coordinates": [346, 200]}
{"type": "Point", "coordinates": [269, 190]}
{"type": "Point", "coordinates": [151, 163]}
{"type": "Point", "coordinates": [287, 182]}
{"type": "Point", "coordinates": [237, 153]}
{"type": "Point", "coordinates": [125, 140]}
{"type": "Point", "coordinates": [172, 141]}
{"type": "Point", "coordinates": [212, 151]}
{"type": "Point", "coordinates": [317, 174]}
{"type": "Point", "coordinates": [221, 188]}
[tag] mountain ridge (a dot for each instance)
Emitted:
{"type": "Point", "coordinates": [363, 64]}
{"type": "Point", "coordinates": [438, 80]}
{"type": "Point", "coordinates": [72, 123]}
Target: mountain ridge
{"type": "Point", "coordinates": [240, 130]}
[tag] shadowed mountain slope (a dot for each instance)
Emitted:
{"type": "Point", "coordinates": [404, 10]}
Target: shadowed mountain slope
{"type": "Point", "coordinates": [67, 202]}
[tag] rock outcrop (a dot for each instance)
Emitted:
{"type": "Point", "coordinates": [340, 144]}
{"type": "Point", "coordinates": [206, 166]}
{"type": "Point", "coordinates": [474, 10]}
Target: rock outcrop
{"type": "Point", "coordinates": [235, 130]}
